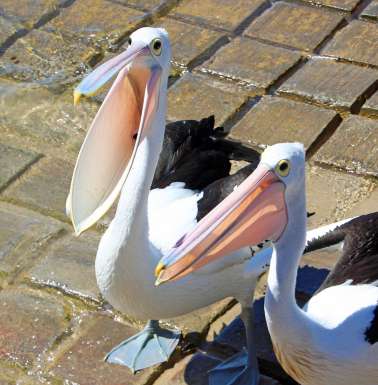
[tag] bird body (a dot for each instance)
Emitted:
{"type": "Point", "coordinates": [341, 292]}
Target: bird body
{"type": "Point", "coordinates": [125, 264]}
{"type": "Point", "coordinates": [122, 155]}
{"type": "Point", "coordinates": [333, 340]}
{"type": "Point", "coordinates": [148, 223]}
{"type": "Point", "coordinates": [330, 342]}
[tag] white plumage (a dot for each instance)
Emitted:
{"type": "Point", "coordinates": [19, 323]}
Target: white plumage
{"type": "Point", "coordinates": [120, 155]}
{"type": "Point", "coordinates": [334, 339]}
{"type": "Point", "coordinates": [325, 343]}
{"type": "Point", "coordinates": [172, 213]}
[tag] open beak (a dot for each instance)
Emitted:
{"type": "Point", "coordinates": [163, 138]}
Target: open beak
{"type": "Point", "coordinates": [254, 212]}
{"type": "Point", "coordinates": [112, 141]}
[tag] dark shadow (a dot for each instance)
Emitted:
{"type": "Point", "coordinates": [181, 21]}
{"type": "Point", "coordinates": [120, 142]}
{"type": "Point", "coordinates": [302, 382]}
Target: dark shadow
{"type": "Point", "coordinates": [232, 338]}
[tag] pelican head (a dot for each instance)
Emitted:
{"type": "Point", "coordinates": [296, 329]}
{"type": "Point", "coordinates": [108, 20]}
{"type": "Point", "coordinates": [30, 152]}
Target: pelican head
{"type": "Point", "coordinates": [258, 210]}
{"type": "Point", "coordinates": [123, 121]}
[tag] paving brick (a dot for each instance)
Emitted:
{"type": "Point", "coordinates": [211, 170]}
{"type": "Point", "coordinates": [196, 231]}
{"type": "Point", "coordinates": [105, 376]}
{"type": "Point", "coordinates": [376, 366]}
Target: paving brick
{"type": "Point", "coordinates": [294, 25]}
{"type": "Point", "coordinates": [22, 234]}
{"type": "Point", "coordinates": [354, 146]}
{"type": "Point", "coordinates": [7, 29]}
{"type": "Point", "coordinates": [67, 262]}
{"type": "Point", "coordinates": [84, 362]}
{"type": "Point", "coordinates": [9, 374]}
{"type": "Point", "coordinates": [193, 370]}
{"type": "Point", "coordinates": [30, 323]}
{"type": "Point", "coordinates": [29, 12]}
{"type": "Point", "coordinates": [321, 259]}
{"type": "Point", "coordinates": [345, 5]}
{"type": "Point", "coordinates": [188, 41]}
{"type": "Point", "coordinates": [34, 111]}
{"type": "Point", "coordinates": [197, 96]}
{"type": "Point", "coordinates": [96, 21]}
{"type": "Point", "coordinates": [332, 194]}
{"type": "Point", "coordinates": [45, 187]}
{"type": "Point", "coordinates": [356, 42]}
{"type": "Point", "coordinates": [12, 138]}
{"type": "Point", "coordinates": [143, 4]}
{"type": "Point", "coordinates": [199, 320]}
{"type": "Point", "coordinates": [329, 82]}
{"type": "Point", "coordinates": [218, 13]}
{"type": "Point", "coordinates": [13, 161]}
{"type": "Point", "coordinates": [370, 108]}
{"type": "Point", "coordinates": [251, 62]}
{"type": "Point", "coordinates": [365, 206]}
{"type": "Point", "coordinates": [371, 11]}
{"type": "Point", "coordinates": [36, 380]}
{"type": "Point", "coordinates": [275, 120]}
{"type": "Point", "coordinates": [46, 56]}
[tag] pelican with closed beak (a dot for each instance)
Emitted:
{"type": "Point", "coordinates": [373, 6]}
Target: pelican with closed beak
{"type": "Point", "coordinates": [334, 339]}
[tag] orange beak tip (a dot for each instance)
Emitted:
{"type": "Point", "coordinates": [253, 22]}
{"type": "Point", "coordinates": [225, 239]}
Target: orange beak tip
{"type": "Point", "coordinates": [77, 96]}
{"type": "Point", "coordinates": [159, 269]}
{"type": "Point", "coordinates": [159, 272]}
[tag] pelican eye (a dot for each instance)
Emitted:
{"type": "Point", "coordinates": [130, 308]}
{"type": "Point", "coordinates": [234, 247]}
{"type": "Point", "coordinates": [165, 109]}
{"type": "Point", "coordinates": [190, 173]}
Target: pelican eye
{"type": "Point", "coordinates": [283, 167]}
{"type": "Point", "coordinates": [129, 41]}
{"type": "Point", "coordinates": [156, 46]}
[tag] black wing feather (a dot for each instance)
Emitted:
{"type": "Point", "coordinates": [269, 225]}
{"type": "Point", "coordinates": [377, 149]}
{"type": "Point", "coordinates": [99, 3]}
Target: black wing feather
{"type": "Point", "coordinates": [359, 259]}
{"type": "Point", "coordinates": [180, 139]}
{"type": "Point", "coordinates": [196, 153]}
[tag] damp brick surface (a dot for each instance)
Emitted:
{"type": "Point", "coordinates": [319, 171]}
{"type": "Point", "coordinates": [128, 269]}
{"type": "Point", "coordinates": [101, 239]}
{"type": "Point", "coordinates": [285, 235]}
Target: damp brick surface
{"type": "Point", "coordinates": [302, 71]}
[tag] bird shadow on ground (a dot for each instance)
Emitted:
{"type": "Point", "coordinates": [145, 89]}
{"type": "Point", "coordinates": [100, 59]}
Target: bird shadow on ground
{"type": "Point", "coordinates": [232, 339]}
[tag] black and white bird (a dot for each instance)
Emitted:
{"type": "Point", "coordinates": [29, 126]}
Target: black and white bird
{"type": "Point", "coordinates": [168, 178]}
{"type": "Point", "coordinates": [333, 340]}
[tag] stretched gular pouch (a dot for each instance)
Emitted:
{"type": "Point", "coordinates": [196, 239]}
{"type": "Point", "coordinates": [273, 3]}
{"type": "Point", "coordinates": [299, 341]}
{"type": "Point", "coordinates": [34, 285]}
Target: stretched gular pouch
{"type": "Point", "coordinates": [122, 122]}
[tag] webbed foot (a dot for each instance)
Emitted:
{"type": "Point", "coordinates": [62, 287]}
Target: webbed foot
{"type": "Point", "coordinates": [235, 371]}
{"type": "Point", "coordinates": [149, 347]}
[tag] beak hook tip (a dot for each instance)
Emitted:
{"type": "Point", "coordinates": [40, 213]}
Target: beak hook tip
{"type": "Point", "coordinates": [159, 281]}
{"type": "Point", "coordinates": [77, 229]}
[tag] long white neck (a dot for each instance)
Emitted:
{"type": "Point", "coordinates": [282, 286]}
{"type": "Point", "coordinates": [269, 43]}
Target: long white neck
{"type": "Point", "coordinates": [131, 218]}
{"type": "Point", "coordinates": [282, 313]}
{"type": "Point", "coordinates": [125, 246]}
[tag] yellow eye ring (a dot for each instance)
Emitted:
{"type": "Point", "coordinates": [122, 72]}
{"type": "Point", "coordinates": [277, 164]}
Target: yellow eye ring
{"type": "Point", "coordinates": [283, 167]}
{"type": "Point", "coordinates": [156, 46]}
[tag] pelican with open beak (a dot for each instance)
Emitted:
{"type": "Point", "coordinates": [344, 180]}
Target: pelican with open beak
{"type": "Point", "coordinates": [133, 108]}
{"type": "Point", "coordinates": [333, 340]}
{"type": "Point", "coordinates": [163, 194]}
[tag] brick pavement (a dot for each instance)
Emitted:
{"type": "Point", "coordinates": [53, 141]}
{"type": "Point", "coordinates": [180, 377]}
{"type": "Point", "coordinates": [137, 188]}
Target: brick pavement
{"type": "Point", "coordinates": [269, 71]}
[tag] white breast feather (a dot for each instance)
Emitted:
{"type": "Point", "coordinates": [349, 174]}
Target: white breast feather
{"type": "Point", "coordinates": [172, 212]}
{"type": "Point", "coordinates": [334, 305]}
{"type": "Point", "coordinates": [346, 311]}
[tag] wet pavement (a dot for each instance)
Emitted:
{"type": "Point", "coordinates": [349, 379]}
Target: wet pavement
{"type": "Point", "coordinates": [269, 71]}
